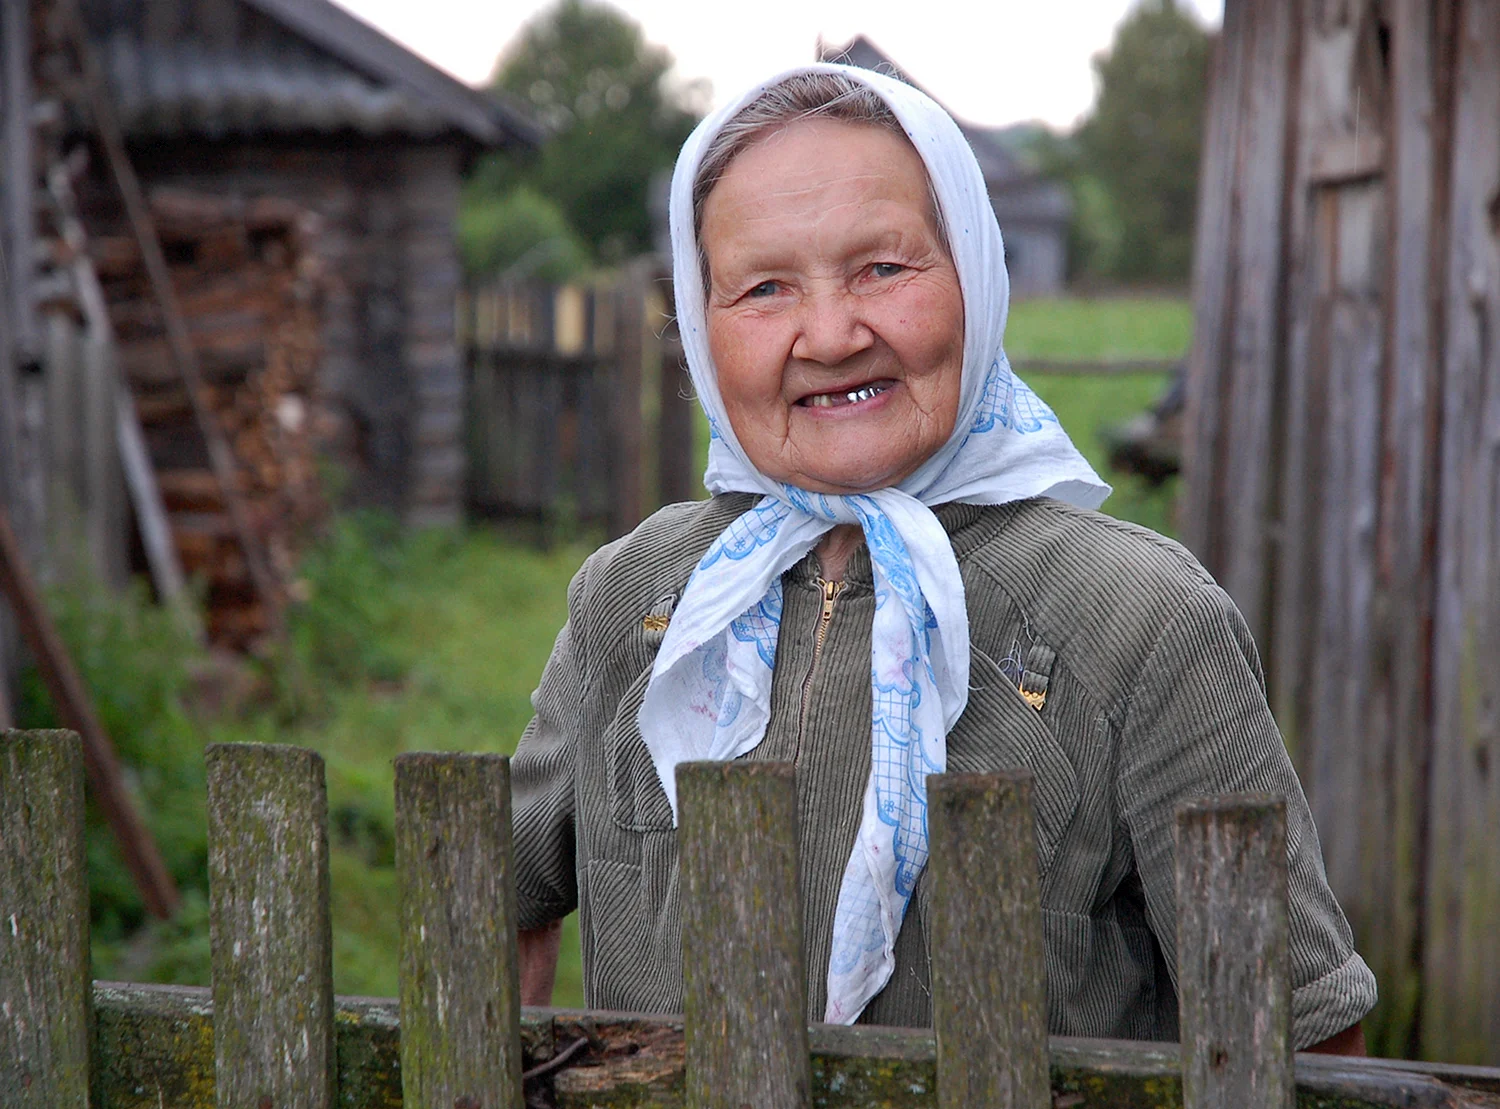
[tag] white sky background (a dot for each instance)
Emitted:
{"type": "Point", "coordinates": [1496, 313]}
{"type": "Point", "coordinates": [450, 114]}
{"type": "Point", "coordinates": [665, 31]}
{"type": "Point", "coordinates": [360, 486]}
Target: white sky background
{"type": "Point", "coordinates": [989, 61]}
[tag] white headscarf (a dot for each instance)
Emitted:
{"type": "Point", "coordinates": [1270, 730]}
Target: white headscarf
{"type": "Point", "coordinates": [709, 695]}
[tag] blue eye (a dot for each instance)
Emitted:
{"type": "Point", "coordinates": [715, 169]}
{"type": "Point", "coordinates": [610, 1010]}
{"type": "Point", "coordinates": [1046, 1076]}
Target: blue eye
{"type": "Point", "coordinates": [764, 289]}
{"type": "Point", "coordinates": [886, 269]}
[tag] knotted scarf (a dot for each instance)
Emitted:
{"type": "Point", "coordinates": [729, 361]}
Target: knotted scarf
{"type": "Point", "coordinates": [709, 695]}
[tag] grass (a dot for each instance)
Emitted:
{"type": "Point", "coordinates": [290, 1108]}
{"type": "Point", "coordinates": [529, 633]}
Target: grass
{"type": "Point", "coordinates": [1105, 328]}
{"type": "Point", "coordinates": [425, 641]}
{"type": "Point", "coordinates": [410, 641]}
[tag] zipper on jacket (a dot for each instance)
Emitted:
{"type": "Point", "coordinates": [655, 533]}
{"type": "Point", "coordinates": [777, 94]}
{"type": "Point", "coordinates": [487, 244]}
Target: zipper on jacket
{"type": "Point", "coordinates": [831, 591]}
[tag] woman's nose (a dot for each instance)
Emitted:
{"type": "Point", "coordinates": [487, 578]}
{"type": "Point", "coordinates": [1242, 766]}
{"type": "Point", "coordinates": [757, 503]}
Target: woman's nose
{"type": "Point", "coordinates": [831, 329]}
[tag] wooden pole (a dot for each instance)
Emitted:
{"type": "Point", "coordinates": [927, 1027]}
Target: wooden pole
{"type": "Point", "coordinates": [77, 711]}
{"type": "Point", "coordinates": [989, 983]}
{"type": "Point", "coordinates": [271, 948]}
{"type": "Point", "coordinates": [1233, 971]}
{"type": "Point", "coordinates": [460, 979]}
{"type": "Point", "coordinates": [625, 507]}
{"type": "Point", "coordinates": [677, 476]}
{"type": "Point", "coordinates": [220, 455]}
{"type": "Point", "coordinates": [17, 136]}
{"type": "Point", "coordinates": [10, 472]}
{"type": "Point", "coordinates": [744, 988]}
{"type": "Point", "coordinates": [130, 440]}
{"type": "Point", "coordinates": [45, 987]}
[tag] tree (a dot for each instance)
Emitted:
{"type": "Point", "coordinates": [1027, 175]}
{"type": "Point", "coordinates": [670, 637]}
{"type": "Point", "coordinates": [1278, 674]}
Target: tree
{"type": "Point", "coordinates": [1141, 143]}
{"type": "Point", "coordinates": [588, 74]}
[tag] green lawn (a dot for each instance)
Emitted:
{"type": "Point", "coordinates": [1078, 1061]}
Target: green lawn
{"type": "Point", "coordinates": [430, 641]}
{"type": "Point", "coordinates": [1108, 327]}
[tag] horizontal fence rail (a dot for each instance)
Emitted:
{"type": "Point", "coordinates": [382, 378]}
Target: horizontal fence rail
{"type": "Point", "coordinates": [1106, 367]}
{"type": "Point", "coordinates": [270, 1034]}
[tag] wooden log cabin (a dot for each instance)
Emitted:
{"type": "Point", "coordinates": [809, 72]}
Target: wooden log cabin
{"type": "Point", "coordinates": [301, 173]}
{"type": "Point", "coordinates": [1342, 460]}
{"type": "Point", "coordinates": [300, 101]}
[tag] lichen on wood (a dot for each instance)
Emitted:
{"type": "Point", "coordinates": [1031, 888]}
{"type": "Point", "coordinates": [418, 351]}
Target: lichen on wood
{"type": "Point", "coordinates": [269, 935]}
{"type": "Point", "coordinates": [1233, 962]}
{"type": "Point", "coordinates": [460, 983]}
{"type": "Point", "coordinates": [154, 1047]}
{"type": "Point", "coordinates": [44, 922]}
{"type": "Point", "coordinates": [989, 986]}
{"type": "Point", "coordinates": [744, 988]}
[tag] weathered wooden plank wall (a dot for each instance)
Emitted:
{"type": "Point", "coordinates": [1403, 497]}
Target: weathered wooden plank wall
{"type": "Point", "coordinates": [1342, 476]}
{"type": "Point", "coordinates": [1461, 960]}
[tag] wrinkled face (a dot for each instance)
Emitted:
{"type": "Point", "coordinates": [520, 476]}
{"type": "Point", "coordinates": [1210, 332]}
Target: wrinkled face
{"type": "Point", "coordinates": [835, 317]}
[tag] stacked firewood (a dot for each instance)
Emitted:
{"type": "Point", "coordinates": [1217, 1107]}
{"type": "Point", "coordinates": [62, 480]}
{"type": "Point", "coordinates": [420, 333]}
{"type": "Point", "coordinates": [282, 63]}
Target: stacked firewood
{"type": "Point", "coordinates": [247, 277]}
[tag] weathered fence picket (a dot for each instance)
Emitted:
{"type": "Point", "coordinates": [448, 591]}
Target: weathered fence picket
{"type": "Point", "coordinates": [269, 937]}
{"type": "Point", "coordinates": [460, 983]}
{"type": "Point", "coordinates": [744, 989]}
{"type": "Point", "coordinates": [45, 992]}
{"type": "Point", "coordinates": [1233, 972]}
{"type": "Point", "coordinates": [989, 983]}
{"type": "Point", "coordinates": [266, 1034]}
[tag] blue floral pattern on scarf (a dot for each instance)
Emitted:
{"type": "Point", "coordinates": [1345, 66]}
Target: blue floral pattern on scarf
{"type": "Point", "coordinates": [760, 623]}
{"type": "Point", "coordinates": [749, 532]}
{"type": "Point", "coordinates": [1010, 403]}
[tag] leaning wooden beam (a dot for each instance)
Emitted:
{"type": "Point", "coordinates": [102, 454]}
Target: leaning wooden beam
{"type": "Point", "coordinates": [1233, 970]}
{"type": "Point", "coordinates": [220, 455]}
{"type": "Point", "coordinates": [744, 989]}
{"type": "Point", "coordinates": [989, 983]}
{"type": "Point", "coordinates": [75, 708]}
{"type": "Point", "coordinates": [135, 459]}
{"type": "Point", "coordinates": [44, 922]}
{"type": "Point", "coordinates": [460, 981]}
{"type": "Point", "coordinates": [271, 948]}
{"type": "Point", "coordinates": [17, 145]}
{"type": "Point", "coordinates": [153, 1046]}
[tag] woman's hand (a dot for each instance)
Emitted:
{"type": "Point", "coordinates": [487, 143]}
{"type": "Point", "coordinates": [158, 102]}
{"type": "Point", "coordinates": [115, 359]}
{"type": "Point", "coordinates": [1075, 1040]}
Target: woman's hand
{"type": "Point", "coordinates": [538, 950]}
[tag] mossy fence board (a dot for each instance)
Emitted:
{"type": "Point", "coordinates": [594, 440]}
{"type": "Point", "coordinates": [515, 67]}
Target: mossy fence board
{"type": "Point", "coordinates": [136, 1046]}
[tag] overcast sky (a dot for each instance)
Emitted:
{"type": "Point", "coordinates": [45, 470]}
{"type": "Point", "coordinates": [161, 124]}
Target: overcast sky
{"type": "Point", "coordinates": [989, 61]}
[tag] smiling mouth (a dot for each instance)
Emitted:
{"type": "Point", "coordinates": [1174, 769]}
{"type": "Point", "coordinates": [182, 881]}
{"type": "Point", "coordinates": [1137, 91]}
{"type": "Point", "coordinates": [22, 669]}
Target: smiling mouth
{"type": "Point", "coordinates": [852, 396]}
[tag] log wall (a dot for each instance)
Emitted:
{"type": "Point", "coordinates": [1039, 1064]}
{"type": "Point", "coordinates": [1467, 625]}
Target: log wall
{"type": "Point", "coordinates": [389, 370]}
{"type": "Point", "coordinates": [1342, 476]}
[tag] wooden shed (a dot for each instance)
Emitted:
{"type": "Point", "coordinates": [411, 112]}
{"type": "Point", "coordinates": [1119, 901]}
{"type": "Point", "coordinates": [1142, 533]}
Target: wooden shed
{"type": "Point", "coordinates": [301, 173]}
{"type": "Point", "coordinates": [299, 100]}
{"type": "Point", "coordinates": [1343, 460]}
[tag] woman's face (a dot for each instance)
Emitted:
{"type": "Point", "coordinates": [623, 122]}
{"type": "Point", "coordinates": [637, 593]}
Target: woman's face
{"type": "Point", "coordinates": [835, 317]}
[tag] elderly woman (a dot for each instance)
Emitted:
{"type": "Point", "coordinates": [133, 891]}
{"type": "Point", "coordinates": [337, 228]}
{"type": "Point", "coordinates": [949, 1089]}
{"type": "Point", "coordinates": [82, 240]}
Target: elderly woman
{"type": "Point", "coordinates": [900, 572]}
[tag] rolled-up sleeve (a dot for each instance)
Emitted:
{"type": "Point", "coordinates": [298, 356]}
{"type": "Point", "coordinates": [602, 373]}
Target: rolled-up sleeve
{"type": "Point", "coordinates": [542, 786]}
{"type": "Point", "coordinates": [1198, 724]}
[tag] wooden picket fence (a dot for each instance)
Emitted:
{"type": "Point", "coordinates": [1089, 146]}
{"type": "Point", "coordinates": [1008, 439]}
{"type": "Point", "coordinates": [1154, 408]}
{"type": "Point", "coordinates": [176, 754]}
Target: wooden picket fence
{"type": "Point", "coordinates": [580, 409]}
{"type": "Point", "coordinates": [271, 1035]}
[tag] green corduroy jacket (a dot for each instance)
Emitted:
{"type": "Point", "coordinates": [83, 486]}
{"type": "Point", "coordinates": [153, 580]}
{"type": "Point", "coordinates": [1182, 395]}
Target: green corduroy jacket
{"type": "Point", "coordinates": [1152, 693]}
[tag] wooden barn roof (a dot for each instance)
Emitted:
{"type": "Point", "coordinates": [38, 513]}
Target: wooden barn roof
{"type": "Point", "coordinates": [1004, 172]}
{"type": "Point", "coordinates": [220, 68]}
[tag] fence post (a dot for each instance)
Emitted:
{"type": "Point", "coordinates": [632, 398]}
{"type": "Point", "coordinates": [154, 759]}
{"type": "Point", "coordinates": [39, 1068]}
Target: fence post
{"type": "Point", "coordinates": [1233, 977]}
{"type": "Point", "coordinates": [45, 989]}
{"type": "Point", "coordinates": [460, 983]}
{"type": "Point", "coordinates": [269, 939]}
{"type": "Point", "coordinates": [744, 988]}
{"type": "Point", "coordinates": [677, 477]}
{"type": "Point", "coordinates": [625, 503]}
{"type": "Point", "coordinates": [989, 985]}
